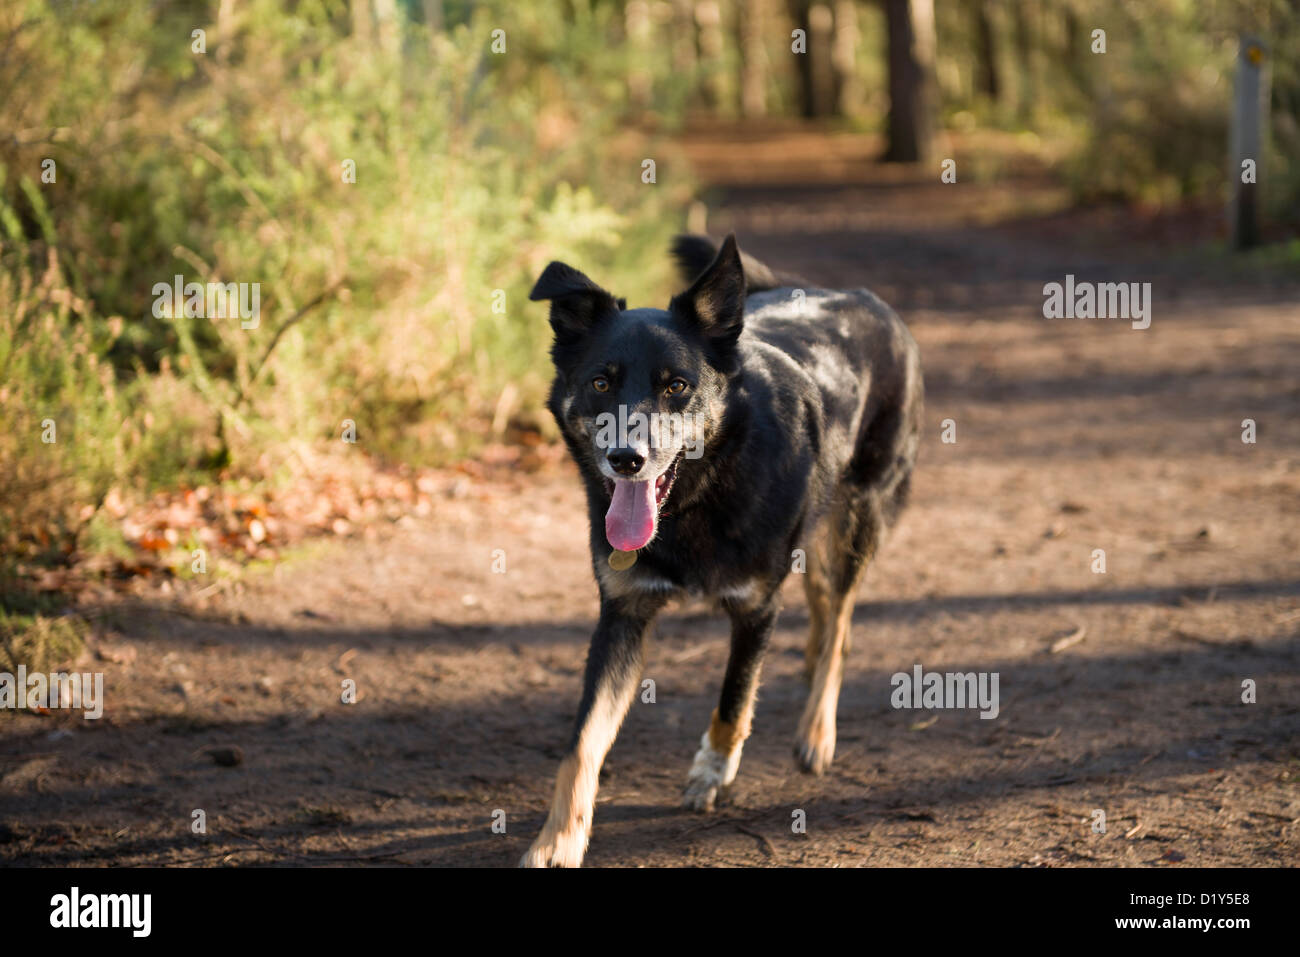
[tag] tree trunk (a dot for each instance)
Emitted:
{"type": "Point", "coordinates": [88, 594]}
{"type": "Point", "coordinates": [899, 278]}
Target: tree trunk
{"type": "Point", "coordinates": [640, 31]}
{"type": "Point", "coordinates": [911, 80]}
{"type": "Point", "coordinates": [816, 76]}
{"type": "Point", "coordinates": [1077, 46]}
{"type": "Point", "coordinates": [751, 20]}
{"type": "Point", "coordinates": [362, 27]}
{"type": "Point", "coordinates": [433, 15]}
{"type": "Point", "coordinates": [987, 79]}
{"type": "Point", "coordinates": [390, 29]}
{"type": "Point", "coordinates": [708, 22]}
{"type": "Point", "coordinates": [844, 55]}
{"type": "Point", "coordinates": [683, 34]}
{"type": "Point", "coordinates": [1026, 54]}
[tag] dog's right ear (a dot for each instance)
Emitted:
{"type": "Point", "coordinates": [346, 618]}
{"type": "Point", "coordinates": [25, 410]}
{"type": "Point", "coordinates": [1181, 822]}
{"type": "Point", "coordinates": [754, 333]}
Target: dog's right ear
{"type": "Point", "coordinates": [576, 301]}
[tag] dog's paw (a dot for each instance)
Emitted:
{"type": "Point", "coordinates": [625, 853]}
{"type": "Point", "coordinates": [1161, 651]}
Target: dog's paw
{"type": "Point", "coordinates": [815, 749]}
{"type": "Point", "coordinates": [711, 774]}
{"type": "Point", "coordinates": [561, 850]}
{"type": "Point", "coordinates": [701, 794]}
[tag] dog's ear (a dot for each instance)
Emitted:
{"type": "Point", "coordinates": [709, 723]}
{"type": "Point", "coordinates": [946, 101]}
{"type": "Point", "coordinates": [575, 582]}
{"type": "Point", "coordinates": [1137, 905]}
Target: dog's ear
{"type": "Point", "coordinates": [716, 300]}
{"type": "Point", "coordinates": [576, 301]}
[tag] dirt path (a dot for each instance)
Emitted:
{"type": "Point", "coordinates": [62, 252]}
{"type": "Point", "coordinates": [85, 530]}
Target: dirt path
{"type": "Point", "coordinates": [1071, 436]}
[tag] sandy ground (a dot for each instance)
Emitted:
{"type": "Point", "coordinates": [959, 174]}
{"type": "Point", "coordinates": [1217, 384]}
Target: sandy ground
{"type": "Point", "coordinates": [1071, 436]}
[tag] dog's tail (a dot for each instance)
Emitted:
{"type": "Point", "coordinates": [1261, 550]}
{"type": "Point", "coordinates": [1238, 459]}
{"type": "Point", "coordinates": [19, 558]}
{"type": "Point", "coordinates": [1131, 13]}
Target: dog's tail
{"type": "Point", "coordinates": [694, 253]}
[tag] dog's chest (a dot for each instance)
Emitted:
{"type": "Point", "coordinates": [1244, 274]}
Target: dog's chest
{"type": "Point", "coordinates": [639, 578]}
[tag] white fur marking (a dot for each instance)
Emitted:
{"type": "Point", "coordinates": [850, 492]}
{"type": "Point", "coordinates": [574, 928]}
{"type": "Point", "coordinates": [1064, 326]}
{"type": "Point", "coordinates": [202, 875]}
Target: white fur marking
{"type": "Point", "coordinates": [713, 768]}
{"type": "Point", "coordinates": [737, 592]}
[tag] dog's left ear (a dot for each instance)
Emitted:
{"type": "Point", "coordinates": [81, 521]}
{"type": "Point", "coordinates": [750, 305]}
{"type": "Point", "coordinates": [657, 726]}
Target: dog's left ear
{"type": "Point", "coordinates": [716, 300]}
{"type": "Point", "coordinates": [576, 301]}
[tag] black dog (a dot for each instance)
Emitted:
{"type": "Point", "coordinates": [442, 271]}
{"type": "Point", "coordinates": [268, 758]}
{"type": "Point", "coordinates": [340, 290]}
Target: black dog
{"type": "Point", "coordinates": [751, 430]}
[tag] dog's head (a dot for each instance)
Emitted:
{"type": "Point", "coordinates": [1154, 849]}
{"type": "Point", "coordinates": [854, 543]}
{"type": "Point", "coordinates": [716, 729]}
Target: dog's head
{"type": "Point", "coordinates": [639, 393]}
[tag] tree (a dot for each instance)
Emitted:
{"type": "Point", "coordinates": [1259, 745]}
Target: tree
{"type": "Point", "coordinates": [987, 79]}
{"type": "Point", "coordinates": [816, 73]}
{"type": "Point", "coordinates": [844, 53]}
{"type": "Point", "coordinates": [751, 20]}
{"type": "Point", "coordinates": [911, 80]}
{"type": "Point", "coordinates": [1027, 54]}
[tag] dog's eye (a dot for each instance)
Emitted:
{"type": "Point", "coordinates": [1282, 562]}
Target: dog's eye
{"type": "Point", "coordinates": [677, 387]}
{"type": "Point", "coordinates": [600, 384]}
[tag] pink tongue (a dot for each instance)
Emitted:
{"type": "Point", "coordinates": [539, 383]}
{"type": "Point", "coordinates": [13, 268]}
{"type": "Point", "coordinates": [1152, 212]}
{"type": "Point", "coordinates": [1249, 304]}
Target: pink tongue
{"type": "Point", "coordinates": [630, 521]}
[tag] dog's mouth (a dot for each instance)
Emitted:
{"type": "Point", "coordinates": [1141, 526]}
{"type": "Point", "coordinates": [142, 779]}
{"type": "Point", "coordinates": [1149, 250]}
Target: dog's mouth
{"type": "Point", "coordinates": [635, 507]}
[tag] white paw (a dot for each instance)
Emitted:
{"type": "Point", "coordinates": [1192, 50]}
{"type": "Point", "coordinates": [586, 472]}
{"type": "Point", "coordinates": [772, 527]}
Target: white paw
{"type": "Point", "coordinates": [814, 748]}
{"type": "Point", "coordinates": [557, 850]}
{"type": "Point", "coordinates": [711, 773]}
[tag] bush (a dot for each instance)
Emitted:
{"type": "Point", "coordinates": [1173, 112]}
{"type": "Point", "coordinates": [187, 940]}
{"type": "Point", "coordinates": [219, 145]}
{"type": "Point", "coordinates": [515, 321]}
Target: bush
{"type": "Point", "coordinates": [38, 642]}
{"type": "Point", "coordinates": [397, 300]}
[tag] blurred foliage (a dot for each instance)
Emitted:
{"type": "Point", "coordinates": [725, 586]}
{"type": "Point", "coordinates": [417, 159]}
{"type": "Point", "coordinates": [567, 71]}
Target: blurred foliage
{"type": "Point", "coordinates": [39, 642]}
{"type": "Point", "coordinates": [1148, 119]}
{"type": "Point", "coordinates": [1158, 123]}
{"type": "Point", "coordinates": [472, 170]}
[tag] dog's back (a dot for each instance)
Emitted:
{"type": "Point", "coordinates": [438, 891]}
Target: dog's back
{"type": "Point", "coordinates": [849, 350]}
{"type": "Point", "coordinates": [855, 374]}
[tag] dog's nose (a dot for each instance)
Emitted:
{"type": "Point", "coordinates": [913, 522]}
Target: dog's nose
{"type": "Point", "coordinates": [625, 461]}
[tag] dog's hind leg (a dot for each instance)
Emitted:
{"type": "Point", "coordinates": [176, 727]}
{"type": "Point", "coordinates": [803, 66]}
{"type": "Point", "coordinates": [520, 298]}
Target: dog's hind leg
{"type": "Point", "coordinates": [718, 757]}
{"type": "Point", "coordinates": [856, 526]}
{"type": "Point", "coordinates": [817, 591]}
{"type": "Point", "coordinates": [873, 492]}
{"type": "Point", "coordinates": [613, 669]}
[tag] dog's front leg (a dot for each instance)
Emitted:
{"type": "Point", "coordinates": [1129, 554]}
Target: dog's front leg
{"type": "Point", "coordinates": [613, 669]}
{"type": "Point", "coordinates": [718, 758]}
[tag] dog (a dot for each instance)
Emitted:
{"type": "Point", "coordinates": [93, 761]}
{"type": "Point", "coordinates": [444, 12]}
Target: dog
{"type": "Point", "coordinates": [795, 419]}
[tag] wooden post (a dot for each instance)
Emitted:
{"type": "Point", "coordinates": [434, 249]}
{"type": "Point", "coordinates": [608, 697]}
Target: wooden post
{"type": "Point", "coordinates": [1249, 131]}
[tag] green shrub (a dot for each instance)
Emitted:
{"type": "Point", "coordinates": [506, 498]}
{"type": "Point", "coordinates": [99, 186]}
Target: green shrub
{"type": "Point", "coordinates": [472, 170]}
{"type": "Point", "coordinates": [39, 642]}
